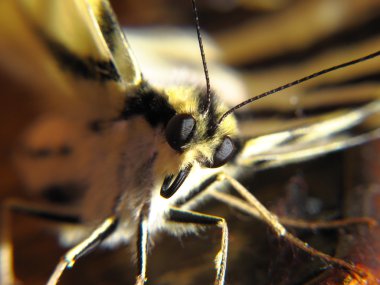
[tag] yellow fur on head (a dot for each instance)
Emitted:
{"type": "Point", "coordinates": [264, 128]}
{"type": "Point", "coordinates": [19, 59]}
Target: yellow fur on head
{"type": "Point", "coordinates": [186, 100]}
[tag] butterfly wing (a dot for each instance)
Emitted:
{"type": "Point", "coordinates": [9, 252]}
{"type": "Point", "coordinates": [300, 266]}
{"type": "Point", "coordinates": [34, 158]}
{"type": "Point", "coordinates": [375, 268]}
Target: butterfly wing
{"type": "Point", "coordinates": [65, 66]}
{"type": "Point", "coordinates": [331, 132]}
{"type": "Point", "coordinates": [72, 47]}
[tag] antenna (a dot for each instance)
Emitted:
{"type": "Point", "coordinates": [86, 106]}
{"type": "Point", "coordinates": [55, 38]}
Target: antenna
{"type": "Point", "coordinates": [298, 81]}
{"type": "Point", "coordinates": [205, 69]}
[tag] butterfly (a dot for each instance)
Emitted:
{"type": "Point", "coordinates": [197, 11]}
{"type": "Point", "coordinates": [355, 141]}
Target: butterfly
{"type": "Point", "coordinates": [105, 129]}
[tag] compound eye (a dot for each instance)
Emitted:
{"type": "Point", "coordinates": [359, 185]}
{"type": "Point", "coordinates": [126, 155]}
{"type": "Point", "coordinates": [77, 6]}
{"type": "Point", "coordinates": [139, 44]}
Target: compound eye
{"type": "Point", "coordinates": [179, 131]}
{"type": "Point", "coordinates": [223, 153]}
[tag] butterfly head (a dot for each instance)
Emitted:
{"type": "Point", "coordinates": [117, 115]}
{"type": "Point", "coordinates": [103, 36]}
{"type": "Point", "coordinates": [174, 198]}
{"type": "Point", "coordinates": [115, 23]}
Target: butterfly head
{"type": "Point", "coordinates": [196, 135]}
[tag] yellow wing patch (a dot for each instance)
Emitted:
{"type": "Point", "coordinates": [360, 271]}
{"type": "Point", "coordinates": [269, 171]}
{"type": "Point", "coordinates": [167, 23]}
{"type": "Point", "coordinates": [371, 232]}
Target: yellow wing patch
{"type": "Point", "coordinates": [82, 36]}
{"type": "Point", "coordinates": [68, 52]}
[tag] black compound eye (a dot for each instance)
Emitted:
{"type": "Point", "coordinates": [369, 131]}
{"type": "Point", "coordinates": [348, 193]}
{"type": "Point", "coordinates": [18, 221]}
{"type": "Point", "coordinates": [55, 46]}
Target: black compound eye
{"type": "Point", "coordinates": [223, 153]}
{"type": "Point", "coordinates": [179, 131]}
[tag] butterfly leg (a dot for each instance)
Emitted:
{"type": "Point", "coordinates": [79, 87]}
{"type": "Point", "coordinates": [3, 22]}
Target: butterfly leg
{"type": "Point", "coordinates": [8, 207]}
{"type": "Point", "coordinates": [273, 222]}
{"type": "Point", "coordinates": [244, 206]}
{"type": "Point", "coordinates": [142, 246]}
{"type": "Point", "coordinates": [181, 216]}
{"type": "Point", "coordinates": [96, 237]}
{"type": "Point", "coordinates": [206, 189]}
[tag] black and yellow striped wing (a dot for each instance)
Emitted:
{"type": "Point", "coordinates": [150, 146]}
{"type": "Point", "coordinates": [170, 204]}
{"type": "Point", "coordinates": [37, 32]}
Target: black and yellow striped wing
{"type": "Point", "coordinates": [68, 49]}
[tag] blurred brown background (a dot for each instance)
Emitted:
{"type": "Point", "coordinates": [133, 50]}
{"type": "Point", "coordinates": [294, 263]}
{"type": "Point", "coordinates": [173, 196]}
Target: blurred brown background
{"type": "Point", "coordinates": [270, 43]}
